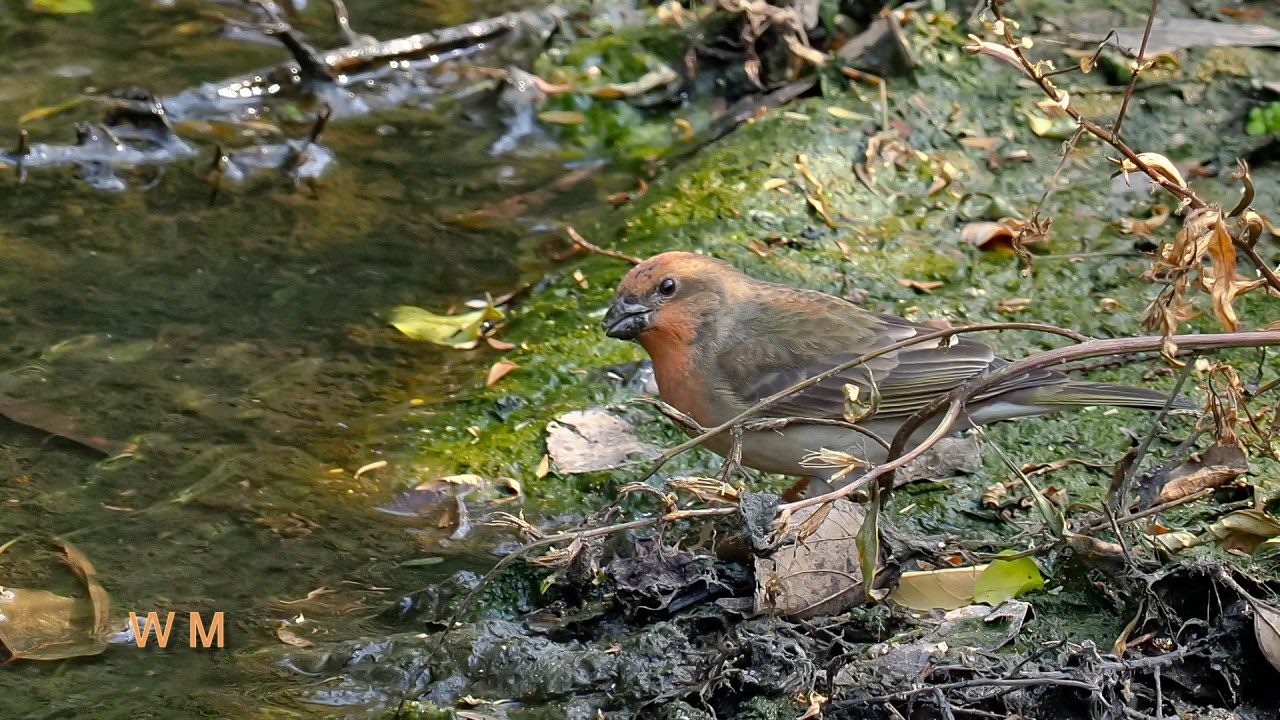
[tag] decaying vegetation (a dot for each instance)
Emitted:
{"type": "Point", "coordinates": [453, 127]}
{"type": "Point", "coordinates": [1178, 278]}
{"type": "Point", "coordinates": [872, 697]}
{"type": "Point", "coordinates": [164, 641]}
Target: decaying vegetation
{"type": "Point", "coordinates": [821, 564]}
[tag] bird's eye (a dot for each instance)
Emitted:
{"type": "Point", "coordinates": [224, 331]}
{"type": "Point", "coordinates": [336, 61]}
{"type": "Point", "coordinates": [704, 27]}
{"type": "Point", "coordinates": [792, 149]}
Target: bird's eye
{"type": "Point", "coordinates": [667, 287]}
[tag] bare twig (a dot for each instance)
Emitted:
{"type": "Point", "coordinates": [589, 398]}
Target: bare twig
{"type": "Point", "coordinates": [1137, 70]}
{"type": "Point", "coordinates": [582, 242]}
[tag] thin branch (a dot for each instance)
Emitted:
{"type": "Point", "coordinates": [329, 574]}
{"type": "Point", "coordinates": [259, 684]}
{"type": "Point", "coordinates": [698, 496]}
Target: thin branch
{"type": "Point", "coordinates": [1137, 70]}
{"type": "Point", "coordinates": [582, 242]}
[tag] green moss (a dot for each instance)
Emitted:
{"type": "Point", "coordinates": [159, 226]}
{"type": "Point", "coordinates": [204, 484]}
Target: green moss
{"type": "Point", "coordinates": [1086, 277]}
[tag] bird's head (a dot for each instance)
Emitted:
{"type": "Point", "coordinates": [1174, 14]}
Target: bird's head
{"type": "Point", "coordinates": [675, 293]}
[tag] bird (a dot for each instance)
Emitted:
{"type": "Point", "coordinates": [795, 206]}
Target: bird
{"type": "Point", "coordinates": [721, 341]}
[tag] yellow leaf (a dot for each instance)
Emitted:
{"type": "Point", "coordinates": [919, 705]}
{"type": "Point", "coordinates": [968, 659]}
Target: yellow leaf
{"type": "Point", "coordinates": [843, 114]}
{"type": "Point", "coordinates": [773, 183]}
{"type": "Point", "coordinates": [562, 117]}
{"type": "Point", "coordinates": [456, 331]}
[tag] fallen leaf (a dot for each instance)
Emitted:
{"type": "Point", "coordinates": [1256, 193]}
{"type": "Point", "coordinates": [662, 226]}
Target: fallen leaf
{"type": "Point", "coordinates": [460, 331]}
{"type": "Point", "coordinates": [921, 285]}
{"type": "Point", "coordinates": [987, 235]}
{"type": "Point", "coordinates": [63, 426]}
{"type": "Point", "coordinates": [375, 465]}
{"type": "Point", "coordinates": [289, 637]}
{"type": "Point", "coordinates": [1144, 228]}
{"type": "Point", "coordinates": [1266, 628]}
{"type": "Point", "coordinates": [838, 112]}
{"type": "Point", "coordinates": [562, 117]}
{"type": "Point", "coordinates": [1213, 468]}
{"type": "Point", "coordinates": [774, 183]}
{"type": "Point", "coordinates": [40, 625]}
{"type": "Point", "coordinates": [544, 467]}
{"type": "Point", "coordinates": [499, 370]}
{"type": "Point", "coordinates": [1010, 306]}
{"type": "Point", "coordinates": [594, 439]}
{"type": "Point", "coordinates": [62, 7]}
{"type": "Point", "coordinates": [943, 589]}
{"type": "Point", "coordinates": [1006, 579]}
{"type": "Point", "coordinates": [817, 569]}
{"type": "Point", "coordinates": [41, 113]}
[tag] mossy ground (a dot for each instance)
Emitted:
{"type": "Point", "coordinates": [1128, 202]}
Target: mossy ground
{"type": "Point", "coordinates": [1087, 277]}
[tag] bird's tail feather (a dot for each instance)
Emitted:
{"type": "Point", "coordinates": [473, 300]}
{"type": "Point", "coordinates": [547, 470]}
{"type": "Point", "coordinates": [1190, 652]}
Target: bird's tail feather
{"type": "Point", "coordinates": [1092, 393]}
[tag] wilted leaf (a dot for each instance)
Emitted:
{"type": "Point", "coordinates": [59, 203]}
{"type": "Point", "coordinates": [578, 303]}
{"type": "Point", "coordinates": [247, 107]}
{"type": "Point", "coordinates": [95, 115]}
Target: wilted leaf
{"type": "Point", "coordinates": [817, 569]}
{"type": "Point", "coordinates": [40, 625]}
{"type": "Point", "coordinates": [289, 637]}
{"type": "Point", "coordinates": [986, 235]}
{"type": "Point", "coordinates": [562, 117]}
{"type": "Point", "coordinates": [41, 113]}
{"type": "Point", "coordinates": [1144, 228]}
{"type": "Point", "coordinates": [1006, 579]}
{"type": "Point", "coordinates": [838, 112]}
{"type": "Point", "coordinates": [97, 594]}
{"type": "Point", "coordinates": [54, 423]}
{"type": "Point", "coordinates": [658, 77]}
{"type": "Point", "coordinates": [460, 331]}
{"type": "Point", "coordinates": [1214, 467]}
{"type": "Point", "coordinates": [1266, 628]}
{"type": "Point", "coordinates": [62, 7]}
{"type": "Point", "coordinates": [544, 467]}
{"type": "Point", "coordinates": [594, 439]}
{"type": "Point", "coordinates": [1243, 530]}
{"type": "Point", "coordinates": [499, 370]}
{"type": "Point", "coordinates": [774, 183]}
{"type": "Point", "coordinates": [921, 285]}
{"type": "Point", "coordinates": [370, 467]}
{"type": "Point", "coordinates": [944, 589]}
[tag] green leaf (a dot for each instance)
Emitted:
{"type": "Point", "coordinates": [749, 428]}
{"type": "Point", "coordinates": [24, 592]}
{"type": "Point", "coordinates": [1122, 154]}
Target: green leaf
{"type": "Point", "coordinates": [62, 7]}
{"type": "Point", "coordinates": [456, 331]}
{"type": "Point", "coordinates": [1005, 579]}
{"type": "Point", "coordinates": [1255, 127]}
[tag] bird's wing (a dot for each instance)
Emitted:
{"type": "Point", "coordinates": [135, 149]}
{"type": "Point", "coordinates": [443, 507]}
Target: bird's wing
{"type": "Point", "coordinates": [831, 332]}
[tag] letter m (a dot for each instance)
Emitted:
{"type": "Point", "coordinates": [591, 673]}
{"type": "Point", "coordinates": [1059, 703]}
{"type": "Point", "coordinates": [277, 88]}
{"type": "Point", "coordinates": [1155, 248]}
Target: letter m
{"type": "Point", "coordinates": [153, 620]}
{"type": "Point", "coordinates": [215, 630]}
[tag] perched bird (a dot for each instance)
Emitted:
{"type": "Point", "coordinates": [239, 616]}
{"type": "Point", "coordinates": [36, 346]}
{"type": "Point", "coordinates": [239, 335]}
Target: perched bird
{"type": "Point", "coordinates": [721, 341]}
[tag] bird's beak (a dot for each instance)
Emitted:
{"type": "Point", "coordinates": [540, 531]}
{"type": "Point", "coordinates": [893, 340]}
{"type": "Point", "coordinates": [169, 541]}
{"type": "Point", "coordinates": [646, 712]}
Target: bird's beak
{"type": "Point", "coordinates": [626, 320]}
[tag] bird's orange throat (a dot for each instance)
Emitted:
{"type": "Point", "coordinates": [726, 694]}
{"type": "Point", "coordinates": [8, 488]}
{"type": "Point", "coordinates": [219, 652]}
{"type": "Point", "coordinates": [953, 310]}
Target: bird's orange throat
{"type": "Point", "coordinates": [679, 383]}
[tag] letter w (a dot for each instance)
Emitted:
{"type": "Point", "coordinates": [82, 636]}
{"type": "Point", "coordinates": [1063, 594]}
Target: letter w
{"type": "Point", "coordinates": [162, 634]}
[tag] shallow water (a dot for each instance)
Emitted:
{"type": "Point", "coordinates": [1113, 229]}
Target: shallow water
{"type": "Point", "coordinates": [241, 346]}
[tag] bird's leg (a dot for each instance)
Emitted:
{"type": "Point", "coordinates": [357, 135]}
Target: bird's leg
{"type": "Point", "coordinates": [733, 460]}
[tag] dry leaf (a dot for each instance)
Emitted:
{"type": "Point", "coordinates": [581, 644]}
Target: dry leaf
{"type": "Point", "coordinates": [499, 370]}
{"type": "Point", "coordinates": [544, 467]}
{"type": "Point", "coordinates": [594, 439]}
{"type": "Point", "coordinates": [289, 637]}
{"type": "Point", "coordinates": [562, 117]}
{"type": "Point", "coordinates": [500, 345]}
{"type": "Point", "coordinates": [921, 285]}
{"type": "Point", "coordinates": [1011, 306]}
{"type": "Point", "coordinates": [375, 465]}
{"type": "Point", "coordinates": [986, 235]}
{"type": "Point", "coordinates": [1144, 228]}
{"type": "Point", "coordinates": [1214, 467]}
{"type": "Point", "coordinates": [1266, 628]}
{"type": "Point", "coordinates": [774, 183]}
{"type": "Point", "coordinates": [816, 569]}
